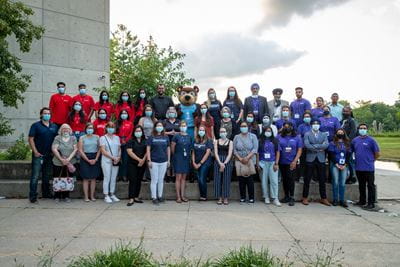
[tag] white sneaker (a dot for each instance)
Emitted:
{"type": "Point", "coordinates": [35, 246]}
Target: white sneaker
{"type": "Point", "coordinates": [266, 200]}
{"type": "Point", "coordinates": [114, 198]}
{"type": "Point", "coordinates": [107, 199]}
{"type": "Point", "coordinates": [277, 203]}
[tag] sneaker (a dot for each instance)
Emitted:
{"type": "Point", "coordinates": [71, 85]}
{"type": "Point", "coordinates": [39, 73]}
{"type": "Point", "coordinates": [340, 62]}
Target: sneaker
{"type": "Point", "coordinates": [251, 201]}
{"type": "Point", "coordinates": [155, 201]}
{"type": "Point", "coordinates": [107, 199]}
{"type": "Point", "coordinates": [335, 203]}
{"type": "Point", "coordinates": [161, 200]}
{"type": "Point", "coordinates": [285, 200]}
{"type": "Point", "coordinates": [291, 201]}
{"type": "Point", "coordinates": [114, 198]}
{"type": "Point", "coordinates": [344, 204]}
{"type": "Point", "coordinates": [242, 200]}
{"type": "Point", "coordinates": [369, 207]}
{"type": "Point", "coordinates": [67, 199]}
{"type": "Point", "coordinates": [266, 200]}
{"type": "Point", "coordinates": [277, 203]}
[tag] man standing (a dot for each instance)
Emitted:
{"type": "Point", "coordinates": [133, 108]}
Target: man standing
{"type": "Point", "coordinates": [41, 136]}
{"type": "Point", "coordinates": [275, 105]}
{"type": "Point", "coordinates": [256, 104]}
{"type": "Point", "coordinates": [60, 105]}
{"type": "Point", "coordinates": [336, 108]}
{"type": "Point", "coordinates": [161, 103]}
{"type": "Point", "coordinates": [366, 151]}
{"type": "Point", "coordinates": [299, 106]}
{"type": "Point", "coordinates": [86, 100]}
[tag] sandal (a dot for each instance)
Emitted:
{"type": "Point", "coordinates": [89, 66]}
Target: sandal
{"type": "Point", "coordinates": [185, 199]}
{"type": "Point", "coordinates": [178, 200]}
{"type": "Point", "coordinates": [87, 200]}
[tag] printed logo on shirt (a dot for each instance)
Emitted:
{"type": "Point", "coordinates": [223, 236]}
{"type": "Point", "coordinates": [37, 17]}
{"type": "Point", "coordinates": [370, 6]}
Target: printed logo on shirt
{"type": "Point", "coordinates": [156, 140]}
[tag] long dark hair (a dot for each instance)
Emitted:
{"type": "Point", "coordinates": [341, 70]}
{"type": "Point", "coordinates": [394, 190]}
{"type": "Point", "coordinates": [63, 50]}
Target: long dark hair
{"type": "Point", "coordinates": [71, 114]}
{"type": "Point", "coordinates": [120, 102]}
{"type": "Point", "coordinates": [254, 124]}
{"type": "Point", "coordinates": [155, 133]}
{"type": "Point", "coordinates": [284, 134]}
{"type": "Point", "coordinates": [119, 120]}
{"type": "Point", "coordinates": [134, 130]}
{"type": "Point", "coordinates": [199, 114]}
{"type": "Point", "coordinates": [200, 139]}
{"type": "Point", "coordinates": [235, 98]}
{"type": "Point", "coordinates": [263, 138]}
{"type": "Point", "coordinates": [101, 99]}
{"type": "Point", "coordinates": [346, 139]}
{"type": "Point", "coordinates": [138, 99]}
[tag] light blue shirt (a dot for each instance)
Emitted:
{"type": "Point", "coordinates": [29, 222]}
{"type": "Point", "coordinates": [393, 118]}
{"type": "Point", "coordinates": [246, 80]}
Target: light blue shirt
{"type": "Point", "coordinates": [336, 110]}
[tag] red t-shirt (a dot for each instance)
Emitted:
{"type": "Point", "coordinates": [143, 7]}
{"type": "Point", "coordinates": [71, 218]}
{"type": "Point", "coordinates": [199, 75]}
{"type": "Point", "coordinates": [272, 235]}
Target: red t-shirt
{"type": "Point", "coordinates": [59, 106]}
{"type": "Point", "coordinates": [125, 131]}
{"type": "Point", "coordinates": [100, 127]}
{"type": "Point", "coordinates": [140, 109]}
{"type": "Point", "coordinates": [129, 109]}
{"type": "Point", "coordinates": [198, 122]}
{"type": "Point", "coordinates": [109, 107]}
{"type": "Point", "coordinates": [86, 101]}
{"type": "Point", "coordinates": [76, 124]}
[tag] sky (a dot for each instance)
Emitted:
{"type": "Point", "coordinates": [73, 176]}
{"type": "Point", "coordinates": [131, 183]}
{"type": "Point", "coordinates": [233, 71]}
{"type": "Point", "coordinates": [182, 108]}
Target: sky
{"type": "Point", "coordinates": [351, 47]}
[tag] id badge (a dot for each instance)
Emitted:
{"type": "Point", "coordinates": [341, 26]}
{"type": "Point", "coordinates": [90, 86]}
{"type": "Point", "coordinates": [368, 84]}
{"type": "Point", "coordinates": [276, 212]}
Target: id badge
{"type": "Point", "coordinates": [184, 153]}
{"type": "Point", "coordinates": [288, 149]}
{"type": "Point", "coordinates": [327, 134]}
{"type": "Point", "coordinates": [297, 116]}
{"type": "Point", "coordinates": [267, 155]}
{"type": "Point", "coordinates": [342, 161]}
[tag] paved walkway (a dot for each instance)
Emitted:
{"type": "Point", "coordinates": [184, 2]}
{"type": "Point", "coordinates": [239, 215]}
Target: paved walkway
{"type": "Point", "coordinates": [197, 229]}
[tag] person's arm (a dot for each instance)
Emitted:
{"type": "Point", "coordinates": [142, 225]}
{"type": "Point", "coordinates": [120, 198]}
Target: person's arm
{"type": "Point", "coordinates": [255, 147]}
{"type": "Point", "coordinates": [193, 160]}
{"type": "Point", "coordinates": [169, 154]}
{"type": "Point", "coordinates": [73, 152]}
{"type": "Point", "coordinates": [33, 147]}
{"type": "Point", "coordinates": [294, 162]}
{"type": "Point", "coordinates": [230, 153]}
{"type": "Point", "coordinates": [80, 149]}
{"type": "Point", "coordinates": [265, 107]}
{"type": "Point", "coordinates": [54, 149]}
{"type": "Point", "coordinates": [132, 154]}
{"type": "Point", "coordinates": [235, 151]}
{"type": "Point", "coordinates": [353, 129]}
{"type": "Point", "coordinates": [212, 132]}
{"type": "Point", "coordinates": [173, 144]}
{"type": "Point", "coordinates": [245, 107]}
{"type": "Point", "coordinates": [205, 157]}
{"type": "Point", "coordinates": [148, 154]}
{"type": "Point", "coordinates": [240, 115]}
{"type": "Point", "coordinates": [105, 153]}
{"type": "Point", "coordinates": [325, 144]}
{"type": "Point", "coordinates": [216, 152]}
{"type": "Point", "coordinates": [307, 143]}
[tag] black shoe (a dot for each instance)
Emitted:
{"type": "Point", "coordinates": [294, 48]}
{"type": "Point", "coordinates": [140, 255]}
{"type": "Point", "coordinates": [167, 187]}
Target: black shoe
{"type": "Point", "coordinates": [130, 203]}
{"type": "Point", "coordinates": [334, 203]}
{"type": "Point", "coordinates": [251, 201]}
{"type": "Point", "coordinates": [155, 201]}
{"type": "Point", "coordinates": [291, 201]}
{"type": "Point", "coordinates": [33, 200]}
{"type": "Point", "coordinates": [344, 204]}
{"type": "Point", "coordinates": [369, 207]}
{"type": "Point", "coordinates": [242, 200]}
{"type": "Point", "coordinates": [359, 203]}
{"type": "Point", "coordinates": [161, 200]}
{"type": "Point", "coordinates": [138, 201]}
{"type": "Point", "coordinates": [49, 196]}
{"type": "Point", "coordinates": [285, 200]}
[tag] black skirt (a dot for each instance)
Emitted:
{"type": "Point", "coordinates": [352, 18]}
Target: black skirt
{"type": "Point", "coordinates": [88, 171]}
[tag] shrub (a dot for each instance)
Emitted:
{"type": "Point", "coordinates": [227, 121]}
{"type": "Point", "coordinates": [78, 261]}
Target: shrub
{"type": "Point", "coordinates": [19, 151]}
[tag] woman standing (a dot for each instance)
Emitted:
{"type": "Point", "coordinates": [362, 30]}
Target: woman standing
{"type": "Point", "coordinates": [329, 124]}
{"type": "Point", "coordinates": [253, 126]}
{"type": "Point", "coordinates": [171, 129]}
{"type": "Point", "coordinates": [124, 131]}
{"type": "Point", "coordinates": [201, 159]}
{"type": "Point", "coordinates": [77, 119]}
{"type": "Point", "coordinates": [89, 150]}
{"type": "Point", "coordinates": [291, 148]}
{"type": "Point", "coordinates": [268, 158]}
{"type": "Point", "coordinates": [104, 103]}
{"type": "Point", "coordinates": [285, 117]}
{"type": "Point", "coordinates": [64, 148]}
{"type": "Point", "coordinates": [223, 166]}
{"type": "Point", "coordinates": [234, 103]}
{"type": "Point", "coordinates": [125, 103]}
{"type": "Point", "coordinates": [318, 111]}
{"type": "Point", "coordinates": [158, 159]}
{"type": "Point", "coordinates": [110, 147]}
{"type": "Point", "coordinates": [204, 118]}
{"type": "Point", "coordinates": [147, 122]}
{"type": "Point", "coordinates": [99, 124]}
{"type": "Point", "coordinates": [245, 147]}
{"type": "Point", "coordinates": [140, 103]}
{"type": "Point", "coordinates": [227, 122]}
{"type": "Point", "coordinates": [181, 147]}
{"type": "Point", "coordinates": [214, 107]}
{"type": "Point", "coordinates": [136, 149]}
{"type": "Point", "coordinates": [349, 125]}
{"type": "Point", "coordinates": [340, 153]}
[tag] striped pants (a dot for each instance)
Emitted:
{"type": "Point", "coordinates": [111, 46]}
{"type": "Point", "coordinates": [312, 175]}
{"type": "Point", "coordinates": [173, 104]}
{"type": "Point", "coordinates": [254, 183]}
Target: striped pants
{"type": "Point", "coordinates": [222, 180]}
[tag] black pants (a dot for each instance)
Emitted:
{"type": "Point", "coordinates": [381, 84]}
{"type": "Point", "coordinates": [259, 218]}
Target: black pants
{"type": "Point", "coordinates": [321, 174]}
{"type": "Point", "coordinates": [366, 178]}
{"type": "Point", "coordinates": [246, 182]}
{"type": "Point", "coordinates": [135, 175]}
{"type": "Point", "coordinates": [301, 170]}
{"type": "Point", "coordinates": [288, 177]}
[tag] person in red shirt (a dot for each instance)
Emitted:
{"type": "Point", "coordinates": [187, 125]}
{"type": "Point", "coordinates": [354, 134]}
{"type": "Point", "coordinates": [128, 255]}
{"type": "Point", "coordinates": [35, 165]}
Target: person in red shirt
{"type": "Point", "coordinates": [59, 105]}
{"type": "Point", "coordinates": [101, 121]}
{"type": "Point", "coordinates": [124, 131]}
{"type": "Point", "coordinates": [204, 118]}
{"type": "Point", "coordinates": [104, 103]}
{"type": "Point", "coordinates": [140, 103]}
{"type": "Point", "coordinates": [77, 119]}
{"type": "Point", "coordinates": [86, 101]}
{"type": "Point", "coordinates": [125, 102]}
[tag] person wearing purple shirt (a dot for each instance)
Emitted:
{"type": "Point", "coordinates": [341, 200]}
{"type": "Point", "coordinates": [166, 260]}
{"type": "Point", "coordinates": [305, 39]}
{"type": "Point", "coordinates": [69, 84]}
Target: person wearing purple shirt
{"type": "Point", "coordinates": [291, 149]}
{"type": "Point", "coordinates": [329, 124]}
{"type": "Point", "coordinates": [299, 106]}
{"type": "Point", "coordinates": [366, 151]}
{"type": "Point", "coordinates": [318, 111]}
{"type": "Point", "coordinates": [285, 117]}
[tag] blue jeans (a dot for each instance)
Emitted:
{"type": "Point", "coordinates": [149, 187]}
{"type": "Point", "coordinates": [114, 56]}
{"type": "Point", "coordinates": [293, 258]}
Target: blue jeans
{"type": "Point", "coordinates": [338, 182]}
{"type": "Point", "coordinates": [44, 166]}
{"type": "Point", "coordinates": [268, 175]}
{"type": "Point", "coordinates": [202, 179]}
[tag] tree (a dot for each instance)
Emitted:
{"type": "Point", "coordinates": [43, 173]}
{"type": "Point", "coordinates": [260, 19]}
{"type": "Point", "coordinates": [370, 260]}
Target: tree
{"type": "Point", "coordinates": [14, 21]}
{"type": "Point", "coordinates": [134, 65]}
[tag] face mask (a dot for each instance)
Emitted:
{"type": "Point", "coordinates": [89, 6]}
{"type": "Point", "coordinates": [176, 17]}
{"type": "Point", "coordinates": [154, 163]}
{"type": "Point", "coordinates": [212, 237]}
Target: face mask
{"type": "Point", "coordinates": [66, 134]}
{"type": "Point", "coordinates": [275, 119]}
{"type": "Point", "coordinates": [232, 93]}
{"type": "Point", "coordinates": [250, 119]}
{"type": "Point", "coordinates": [340, 136]}
{"type": "Point", "coordinates": [244, 129]}
{"type": "Point", "coordinates": [362, 132]}
{"type": "Point", "coordinates": [326, 112]}
{"type": "Point", "coordinates": [104, 97]}
{"type": "Point", "coordinates": [287, 130]}
{"type": "Point", "coordinates": [266, 121]}
{"type": "Point", "coordinates": [102, 116]}
{"type": "Point", "coordinates": [202, 133]}
{"type": "Point", "coordinates": [285, 113]}
{"type": "Point", "coordinates": [138, 134]}
{"type": "Point", "coordinates": [345, 115]}
{"type": "Point", "coordinates": [82, 91]}
{"type": "Point", "coordinates": [172, 115]}
{"type": "Point", "coordinates": [125, 98]}
{"type": "Point", "coordinates": [307, 120]}
{"type": "Point", "coordinates": [77, 107]}
{"type": "Point", "coordinates": [203, 111]}
{"type": "Point", "coordinates": [124, 116]}
{"type": "Point", "coordinates": [89, 131]}
{"type": "Point", "coordinates": [159, 129]}
{"type": "Point", "coordinates": [226, 115]}
{"type": "Point", "coordinates": [315, 127]}
{"type": "Point", "coordinates": [149, 113]}
{"type": "Point", "coordinates": [46, 117]}
{"type": "Point", "coordinates": [110, 130]}
{"type": "Point", "coordinates": [211, 96]}
{"type": "Point", "coordinates": [183, 129]}
{"type": "Point", "coordinates": [142, 95]}
{"type": "Point", "coordinates": [268, 134]}
{"type": "Point", "coordinates": [61, 90]}
{"type": "Point", "coordinates": [222, 135]}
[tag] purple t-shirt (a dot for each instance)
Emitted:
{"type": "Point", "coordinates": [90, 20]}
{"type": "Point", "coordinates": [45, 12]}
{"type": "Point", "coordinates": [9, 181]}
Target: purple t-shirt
{"type": "Point", "coordinates": [298, 107]}
{"type": "Point", "coordinates": [329, 126]}
{"type": "Point", "coordinates": [267, 152]}
{"type": "Point", "coordinates": [317, 113]}
{"type": "Point", "coordinates": [364, 149]}
{"type": "Point", "coordinates": [341, 154]}
{"type": "Point", "coordinates": [289, 146]}
{"type": "Point", "coordinates": [279, 123]}
{"type": "Point", "coordinates": [303, 128]}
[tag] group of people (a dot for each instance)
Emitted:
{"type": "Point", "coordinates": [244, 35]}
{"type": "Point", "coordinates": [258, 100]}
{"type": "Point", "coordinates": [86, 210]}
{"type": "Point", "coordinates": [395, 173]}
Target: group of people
{"type": "Point", "coordinates": [138, 137]}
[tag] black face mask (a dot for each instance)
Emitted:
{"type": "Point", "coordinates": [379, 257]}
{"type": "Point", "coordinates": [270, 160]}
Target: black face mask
{"type": "Point", "coordinates": [345, 115]}
{"type": "Point", "coordinates": [287, 130]}
{"type": "Point", "coordinates": [326, 112]}
{"type": "Point", "coordinates": [340, 136]}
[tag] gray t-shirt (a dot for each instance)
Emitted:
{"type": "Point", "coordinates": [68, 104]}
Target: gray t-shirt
{"type": "Point", "coordinates": [90, 144]}
{"type": "Point", "coordinates": [65, 148]}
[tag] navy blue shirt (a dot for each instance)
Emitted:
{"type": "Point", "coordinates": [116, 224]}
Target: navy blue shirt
{"type": "Point", "coordinates": [200, 150]}
{"type": "Point", "coordinates": [340, 155]}
{"type": "Point", "coordinates": [43, 136]}
{"type": "Point", "coordinates": [215, 110]}
{"type": "Point", "coordinates": [183, 145]}
{"type": "Point", "coordinates": [235, 109]}
{"type": "Point", "coordinates": [158, 148]}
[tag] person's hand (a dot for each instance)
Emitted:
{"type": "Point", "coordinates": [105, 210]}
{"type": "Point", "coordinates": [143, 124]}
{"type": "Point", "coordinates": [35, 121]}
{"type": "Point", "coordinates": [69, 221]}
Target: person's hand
{"type": "Point", "coordinates": [64, 162]}
{"type": "Point", "coordinates": [37, 154]}
{"type": "Point", "coordinates": [221, 167]}
{"type": "Point", "coordinates": [245, 160]}
{"type": "Point", "coordinates": [293, 165]}
{"type": "Point", "coordinates": [276, 167]}
{"type": "Point", "coordinates": [168, 164]}
{"type": "Point", "coordinates": [149, 164]}
{"type": "Point", "coordinates": [258, 168]}
{"type": "Point", "coordinates": [238, 120]}
{"type": "Point", "coordinates": [196, 166]}
{"type": "Point", "coordinates": [141, 162]}
{"type": "Point", "coordinates": [92, 161]}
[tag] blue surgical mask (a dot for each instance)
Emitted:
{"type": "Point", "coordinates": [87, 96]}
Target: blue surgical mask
{"type": "Point", "coordinates": [46, 117]}
{"type": "Point", "coordinates": [148, 113]}
{"type": "Point", "coordinates": [202, 133]}
{"type": "Point", "coordinates": [104, 97]}
{"type": "Point", "coordinates": [159, 129]}
{"type": "Point", "coordinates": [232, 93]}
{"type": "Point", "coordinates": [222, 135]}
{"type": "Point", "coordinates": [102, 116]}
{"type": "Point", "coordinates": [315, 127]}
{"type": "Point", "coordinates": [125, 98]}
{"type": "Point", "coordinates": [138, 134]}
{"type": "Point", "coordinates": [250, 119]}
{"type": "Point", "coordinates": [226, 115]}
{"type": "Point", "coordinates": [77, 107]}
{"type": "Point", "coordinates": [285, 113]}
{"type": "Point", "coordinates": [89, 131]}
{"type": "Point", "coordinates": [172, 115]}
{"type": "Point", "coordinates": [82, 91]}
{"type": "Point", "coordinates": [362, 132]}
{"type": "Point", "coordinates": [61, 90]}
{"type": "Point", "coordinates": [66, 134]}
{"type": "Point", "coordinates": [124, 116]}
{"type": "Point", "coordinates": [211, 96]}
{"type": "Point", "coordinates": [268, 134]}
{"type": "Point", "coordinates": [142, 95]}
{"type": "Point", "coordinates": [110, 130]}
{"type": "Point", "coordinates": [183, 129]}
{"type": "Point", "coordinates": [244, 129]}
{"type": "Point", "coordinates": [203, 111]}
{"type": "Point", "coordinates": [266, 121]}
{"type": "Point", "coordinates": [307, 120]}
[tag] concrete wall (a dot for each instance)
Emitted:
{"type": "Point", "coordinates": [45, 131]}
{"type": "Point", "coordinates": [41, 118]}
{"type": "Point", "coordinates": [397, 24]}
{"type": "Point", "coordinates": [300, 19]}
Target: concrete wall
{"type": "Point", "coordinates": [74, 49]}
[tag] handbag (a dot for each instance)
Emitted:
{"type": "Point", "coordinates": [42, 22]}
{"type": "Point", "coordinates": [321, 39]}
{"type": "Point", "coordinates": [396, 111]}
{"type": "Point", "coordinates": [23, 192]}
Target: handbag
{"type": "Point", "coordinates": [245, 170]}
{"type": "Point", "coordinates": [109, 147]}
{"type": "Point", "coordinates": [63, 184]}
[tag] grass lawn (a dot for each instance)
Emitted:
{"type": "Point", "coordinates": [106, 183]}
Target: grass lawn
{"type": "Point", "coordinates": [390, 147]}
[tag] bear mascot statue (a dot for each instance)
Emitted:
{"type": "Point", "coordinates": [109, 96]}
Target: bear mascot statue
{"type": "Point", "coordinates": [188, 108]}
